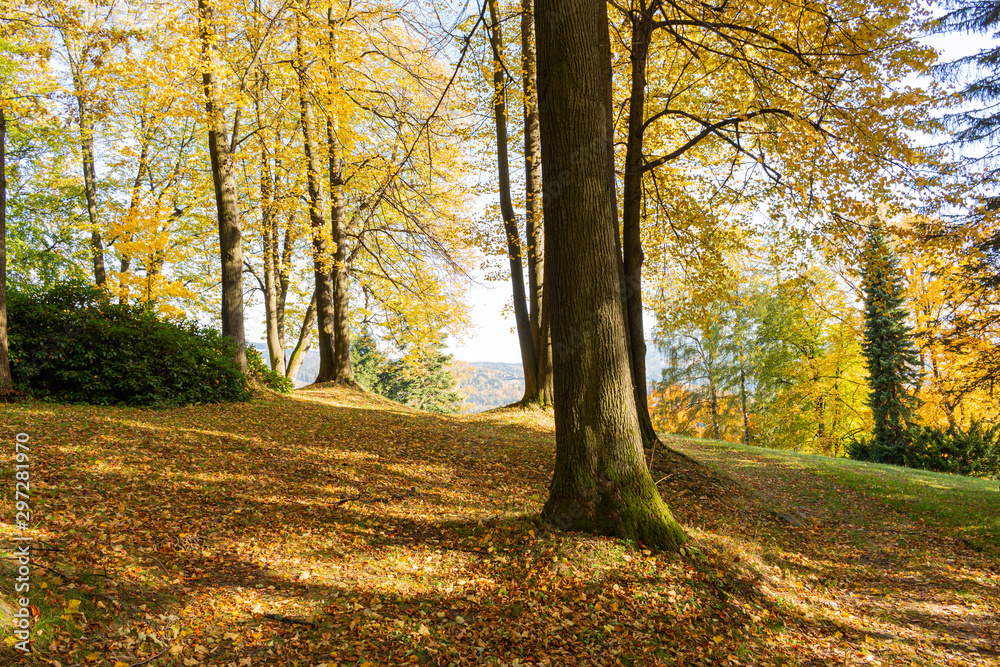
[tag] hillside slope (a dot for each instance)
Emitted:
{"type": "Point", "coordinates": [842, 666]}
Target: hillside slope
{"type": "Point", "coordinates": [332, 527]}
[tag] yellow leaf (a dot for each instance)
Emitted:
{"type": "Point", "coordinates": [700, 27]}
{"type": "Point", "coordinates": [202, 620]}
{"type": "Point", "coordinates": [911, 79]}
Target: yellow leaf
{"type": "Point", "coordinates": [93, 657]}
{"type": "Point", "coordinates": [73, 606]}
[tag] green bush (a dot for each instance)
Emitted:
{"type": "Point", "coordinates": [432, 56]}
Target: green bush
{"type": "Point", "coordinates": [259, 371]}
{"type": "Point", "coordinates": [974, 452]}
{"type": "Point", "coordinates": [70, 344]}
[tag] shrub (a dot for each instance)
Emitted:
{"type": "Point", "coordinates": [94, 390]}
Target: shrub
{"type": "Point", "coordinates": [259, 371]}
{"type": "Point", "coordinates": [70, 344]}
{"type": "Point", "coordinates": [974, 452]}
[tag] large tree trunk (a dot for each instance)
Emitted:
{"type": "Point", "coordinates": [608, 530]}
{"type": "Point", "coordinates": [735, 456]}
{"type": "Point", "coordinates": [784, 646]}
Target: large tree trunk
{"type": "Point", "coordinates": [528, 359]}
{"type": "Point", "coordinates": [600, 483]}
{"type": "Point", "coordinates": [90, 180]}
{"type": "Point", "coordinates": [304, 342]}
{"type": "Point", "coordinates": [317, 220]}
{"type": "Point", "coordinates": [533, 209]}
{"type": "Point", "coordinates": [224, 178]}
{"type": "Point", "coordinates": [6, 379]}
{"type": "Point", "coordinates": [338, 225]}
{"type": "Point", "coordinates": [642, 30]}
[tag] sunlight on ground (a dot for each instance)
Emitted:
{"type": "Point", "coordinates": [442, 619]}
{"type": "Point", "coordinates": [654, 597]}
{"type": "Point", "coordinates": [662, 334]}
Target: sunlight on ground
{"type": "Point", "coordinates": [333, 528]}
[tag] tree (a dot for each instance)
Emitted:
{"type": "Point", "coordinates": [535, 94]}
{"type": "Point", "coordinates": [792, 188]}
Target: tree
{"type": "Point", "coordinates": [600, 483]}
{"type": "Point", "coordinates": [529, 358]}
{"type": "Point", "coordinates": [888, 349]}
{"type": "Point", "coordinates": [423, 380]}
{"type": "Point", "coordinates": [978, 285]}
{"type": "Point", "coordinates": [6, 380]}
{"type": "Point", "coordinates": [221, 150]}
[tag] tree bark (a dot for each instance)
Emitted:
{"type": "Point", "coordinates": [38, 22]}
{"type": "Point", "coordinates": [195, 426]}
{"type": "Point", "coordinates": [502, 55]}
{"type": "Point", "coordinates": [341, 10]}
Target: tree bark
{"type": "Point", "coordinates": [713, 397]}
{"type": "Point", "coordinates": [642, 31]}
{"type": "Point", "coordinates": [342, 372]}
{"type": "Point", "coordinates": [743, 404]}
{"type": "Point", "coordinates": [302, 346]}
{"type": "Point", "coordinates": [89, 178]}
{"type": "Point", "coordinates": [321, 256]}
{"type": "Point", "coordinates": [600, 483]}
{"type": "Point", "coordinates": [533, 210]}
{"type": "Point", "coordinates": [528, 359]}
{"type": "Point", "coordinates": [224, 179]}
{"type": "Point", "coordinates": [6, 379]}
{"type": "Point", "coordinates": [269, 232]}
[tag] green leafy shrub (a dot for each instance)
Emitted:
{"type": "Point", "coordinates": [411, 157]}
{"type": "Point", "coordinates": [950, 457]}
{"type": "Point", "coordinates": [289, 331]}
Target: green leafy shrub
{"type": "Point", "coordinates": [259, 371]}
{"type": "Point", "coordinates": [70, 344]}
{"type": "Point", "coordinates": [974, 452]}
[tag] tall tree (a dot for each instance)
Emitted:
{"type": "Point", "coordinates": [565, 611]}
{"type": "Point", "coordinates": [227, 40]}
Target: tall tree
{"type": "Point", "coordinates": [6, 380]}
{"type": "Point", "coordinates": [87, 35]}
{"type": "Point", "coordinates": [888, 347]}
{"type": "Point", "coordinates": [513, 237]}
{"type": "Point", "coordinates": [317, 216]}
{"type": "Point", "coordinates": [224, 177]}
{"type": "Point", "coordinates": [978, 124]}
{"type": "Point", "coordinates": [600, 483]}
{"type": "Point", "coordinates": [342, 372]}
{"type": "Point", "coordinates": [535, 246]}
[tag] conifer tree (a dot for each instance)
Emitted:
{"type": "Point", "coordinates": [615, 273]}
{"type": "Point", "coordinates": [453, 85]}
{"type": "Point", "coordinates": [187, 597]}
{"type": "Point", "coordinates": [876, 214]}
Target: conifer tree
{"type": "Point", "coordinates": [888, 349]}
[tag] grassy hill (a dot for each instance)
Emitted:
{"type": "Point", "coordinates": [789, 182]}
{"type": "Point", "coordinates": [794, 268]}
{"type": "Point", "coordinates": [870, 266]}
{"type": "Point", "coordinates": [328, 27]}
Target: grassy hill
{"type": "Point", "coordinates": [336, 528]}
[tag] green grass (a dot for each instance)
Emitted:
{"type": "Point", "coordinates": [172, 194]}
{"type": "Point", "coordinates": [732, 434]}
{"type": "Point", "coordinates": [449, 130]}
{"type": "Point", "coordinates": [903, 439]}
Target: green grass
{"type": "Point", "coordinates": [968, 507]}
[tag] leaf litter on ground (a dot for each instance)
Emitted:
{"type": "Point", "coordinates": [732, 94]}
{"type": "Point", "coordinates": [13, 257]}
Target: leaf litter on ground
{"type": "Point", "coordinates": [336, 528]}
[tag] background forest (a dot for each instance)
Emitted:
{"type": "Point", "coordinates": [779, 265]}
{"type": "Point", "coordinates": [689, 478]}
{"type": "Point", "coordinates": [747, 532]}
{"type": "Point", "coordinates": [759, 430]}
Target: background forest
{"type": "Point", "coordinates": [348, 192]}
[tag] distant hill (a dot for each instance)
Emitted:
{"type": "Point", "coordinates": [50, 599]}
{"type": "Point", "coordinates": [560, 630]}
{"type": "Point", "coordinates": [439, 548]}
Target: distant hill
{"type": "Point", "coordinates": [488, 384]}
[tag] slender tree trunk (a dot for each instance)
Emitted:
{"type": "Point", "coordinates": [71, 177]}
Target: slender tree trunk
{"type": "Point", "coordinates": [528, 359]}
{"type": "Point", "coordinates": [743, 405]}
{"type": "Point", "coordinates": [321, 255]}
{"type": "Point", "coordinates": [269, 232]}
{"type": "Point", "coordinates": [642, 30]}
{"type": "Point", "coordinates": [533, 209]}
{"type": "Point", "coordinates": [6, 379]}
{"type": "Point", "coordinates": [338, 225]}
{"type": "Point", "coordinates": [224, 178]}
{"type": "Point", "coordinates": [600, 483]}
{"type": "Point", "coordinates": [90, 181]}
{"type": "Point", "coordinates": [304, 342]}
{"type": "Point", "coordinates": [714, 404]}
{"type": "Point", "coordinates": [282, 271]}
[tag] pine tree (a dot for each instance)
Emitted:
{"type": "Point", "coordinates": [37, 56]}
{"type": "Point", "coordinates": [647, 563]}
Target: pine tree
{"type": "Point", "coordinates": [888, 349]}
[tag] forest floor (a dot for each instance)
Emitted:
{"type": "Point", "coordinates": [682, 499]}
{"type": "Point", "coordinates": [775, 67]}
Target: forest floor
{"type": "Point", "coordinates": [335, 528]}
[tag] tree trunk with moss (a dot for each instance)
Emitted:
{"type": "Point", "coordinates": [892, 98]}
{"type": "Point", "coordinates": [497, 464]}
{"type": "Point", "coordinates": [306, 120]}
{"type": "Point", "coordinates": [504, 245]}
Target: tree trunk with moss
{"type": "Point", "coordinates": [601, 484]}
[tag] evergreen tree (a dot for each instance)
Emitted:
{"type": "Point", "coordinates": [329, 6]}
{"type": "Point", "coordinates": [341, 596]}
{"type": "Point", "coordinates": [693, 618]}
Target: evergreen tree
{"type": "Point", "coordinates": [888, 349]}
{"type": "Point", "coordinates": [978, 124]}
{"type": "Point", "coordinates": [424, 381]}
{"type": "Point", "coordinates": [366, 362]}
